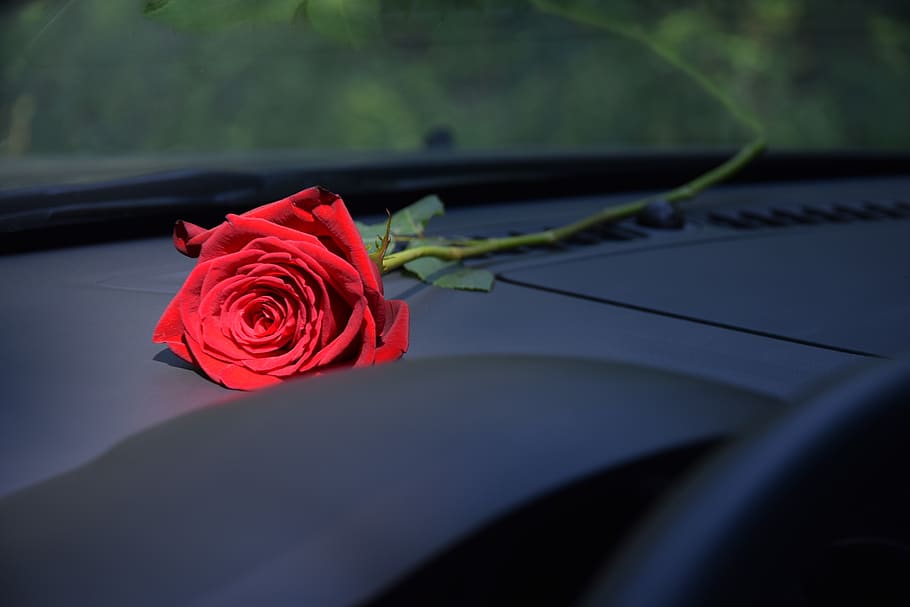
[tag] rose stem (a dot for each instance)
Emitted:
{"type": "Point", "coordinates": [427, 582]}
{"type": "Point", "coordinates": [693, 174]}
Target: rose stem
{"type": "Point", "coordinates": [612, 213]}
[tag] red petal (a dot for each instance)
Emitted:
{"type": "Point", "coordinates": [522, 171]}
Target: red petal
{"type": "Point", "coordinates": [360, 326]}
{"type": "Point", "coordinates": [394, 337]}
{"type": "Point", "coordinates": [188, 238]}
{"type": "Point", "coordinates": [228, 374]}
{"type": "Point", "coordinates": [240, 378]}
{"type": "Point", "coordinates": [337, 221]}
{"type": "Point", "coordinates": [169, 330]}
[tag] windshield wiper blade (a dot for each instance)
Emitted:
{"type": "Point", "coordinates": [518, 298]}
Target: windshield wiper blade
{"type": "Point", "coordinates": [371, 185]}
{"type": "Point", "coordinates": [149, 195]}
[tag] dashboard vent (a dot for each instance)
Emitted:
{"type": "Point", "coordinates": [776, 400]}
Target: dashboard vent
{"type": "Point", "coordinates": [775, 217]}
{"type": "Point", "coordinates": [616, 232]}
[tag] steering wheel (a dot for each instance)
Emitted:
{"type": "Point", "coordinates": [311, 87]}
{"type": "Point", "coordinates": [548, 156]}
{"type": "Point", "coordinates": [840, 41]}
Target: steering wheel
{"type": "Point", "coordinates": [814, 509]}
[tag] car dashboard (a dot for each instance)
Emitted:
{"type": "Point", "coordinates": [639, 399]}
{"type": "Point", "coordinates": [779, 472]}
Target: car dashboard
{"type": "Point", "coordinates": [524, 435]}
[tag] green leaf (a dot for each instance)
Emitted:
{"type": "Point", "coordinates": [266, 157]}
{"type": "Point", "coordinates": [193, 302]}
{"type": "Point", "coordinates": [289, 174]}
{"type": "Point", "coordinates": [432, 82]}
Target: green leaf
{"type": "Point", "coordinates": [372, 235]}
{"type": "Point", "coordinates": [409, 221]}
{"type": "Point", "coordinates": [221, 14]}
{"type": "Point", "coordinates": [382, 244]}
{"type": "Point", "coordinates": [370, 232]}
{"type": "Point", "coordinates": [449, 274]}
{"type": "Point", "coordinates": [412, 219]}
{"type": "Point", "coordinates": [350, 21]}
{"type": "Point", "coordinates": [467, 279]}
{"type": "Point", "coordinates": [424, 268]}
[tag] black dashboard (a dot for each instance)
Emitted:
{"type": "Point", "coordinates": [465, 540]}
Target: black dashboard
{"type": "Point", "coordinates": [521, 439]}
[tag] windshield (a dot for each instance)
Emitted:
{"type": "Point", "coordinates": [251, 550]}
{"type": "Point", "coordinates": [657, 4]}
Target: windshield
{"type": "Point", "coordinates": [323, 80]}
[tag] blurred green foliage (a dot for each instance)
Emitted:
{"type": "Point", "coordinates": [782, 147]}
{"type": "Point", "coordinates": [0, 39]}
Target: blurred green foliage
{"type": "Point", "coordinates": [102, 77]}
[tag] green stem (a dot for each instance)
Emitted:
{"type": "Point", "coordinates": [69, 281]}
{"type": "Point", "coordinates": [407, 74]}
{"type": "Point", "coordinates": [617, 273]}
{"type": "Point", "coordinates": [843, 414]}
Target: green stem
{"type": "Point", "coordinates": [613, 213]}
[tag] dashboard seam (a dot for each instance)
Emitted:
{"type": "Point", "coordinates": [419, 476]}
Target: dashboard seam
{"type": "Point", "coordinates": [677, 316]}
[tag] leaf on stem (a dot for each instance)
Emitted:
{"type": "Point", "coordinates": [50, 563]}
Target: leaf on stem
{"type": "Point", "coordinates": [428, 268]}
{"type": "Point", "coordinates": [381, 244]}
{"type": "Point", "coordinates": [450, 274]}
{"type": "Point", "coordinates": [466, 279]}
{"type": "Point", "coordinates": [407, 223]}
{"type": "Point", "coordinates": [372, 236]}
{"type": "Point", "coordinates": [413, 219]}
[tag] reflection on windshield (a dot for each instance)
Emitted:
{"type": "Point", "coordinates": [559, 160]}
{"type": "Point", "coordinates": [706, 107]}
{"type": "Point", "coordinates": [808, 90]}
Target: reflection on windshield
{"type": "Point", "coordinates": [101, 78]}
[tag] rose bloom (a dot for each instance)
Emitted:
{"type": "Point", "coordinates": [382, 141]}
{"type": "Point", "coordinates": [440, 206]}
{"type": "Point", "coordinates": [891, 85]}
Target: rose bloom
{"type": "Point", "coordinates": [280, 291]}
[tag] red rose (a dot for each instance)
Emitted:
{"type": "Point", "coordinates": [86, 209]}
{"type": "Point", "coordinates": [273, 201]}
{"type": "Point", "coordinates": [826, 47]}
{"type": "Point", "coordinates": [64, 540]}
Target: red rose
{"type": "Point", "coordinates": [282, 290]}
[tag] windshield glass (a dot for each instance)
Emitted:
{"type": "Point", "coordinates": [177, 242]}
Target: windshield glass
{"type": "Point", "coordinates": [326, 79]}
